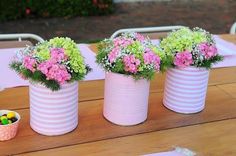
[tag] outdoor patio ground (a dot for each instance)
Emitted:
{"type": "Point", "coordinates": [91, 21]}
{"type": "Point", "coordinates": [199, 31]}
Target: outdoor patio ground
{"type": "Point", "coordinates": [217, 16]}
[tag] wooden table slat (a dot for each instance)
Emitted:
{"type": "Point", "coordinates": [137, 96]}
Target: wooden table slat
{"type": "Point", "coordinates": [229, 88]}
{"type": "Point", "coordinates": [202, 139]}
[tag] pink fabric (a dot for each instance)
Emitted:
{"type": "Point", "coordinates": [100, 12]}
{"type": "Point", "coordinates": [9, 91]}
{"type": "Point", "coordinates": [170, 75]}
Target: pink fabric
{"type": "Point", "coordinates": [155, 41]}
{"type": "Point", "coordinates": [224, 47]}
{"type": "Point", "coordinates": [229, 61]}
{"type": "Point", "coordinates": [97, 72]}
{"type": "Point", "coordinates": [8, 77]}
{"type": "Point", "coordinates": [228, 50]}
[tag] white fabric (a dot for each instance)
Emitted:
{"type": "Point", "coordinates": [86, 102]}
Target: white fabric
{"type": "Point", "coordinates": [177, 152]}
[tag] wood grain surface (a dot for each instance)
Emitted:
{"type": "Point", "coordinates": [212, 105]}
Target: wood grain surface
{"type": "Point", "coordinates": [210, 139]}
{"type": "Point", "coordinates": [93, 127]}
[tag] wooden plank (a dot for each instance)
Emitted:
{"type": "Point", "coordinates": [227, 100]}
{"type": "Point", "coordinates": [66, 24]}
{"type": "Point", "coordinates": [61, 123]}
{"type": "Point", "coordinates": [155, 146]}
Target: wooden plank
{"type": "Point", "coordinates": [222, 76]}
{"type": "Point", "coordinates": [229, 89]}
{"type": "Point", "coordinates": [157, 35]}
{"type": "Point", "coordinates": [216, 138]}
{"type": "Point", "coordinates": [228, 37]}
{"type": "Point", "coordinates": [93, 127]}
{"type": "Point", "coordinates": [17, 98]}
{"type": "Point", "coordinates": [14, 44]}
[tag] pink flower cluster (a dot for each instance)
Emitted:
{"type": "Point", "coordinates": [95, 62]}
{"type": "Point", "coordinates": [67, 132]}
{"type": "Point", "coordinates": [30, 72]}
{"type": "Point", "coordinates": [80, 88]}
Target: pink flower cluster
{"type": "Point", "coordinates": [54, 71]}
{"type": "Point", "coordinates": [52, 68]}
{"type": "Point", "coordinates": [113, 54]}
{"type": "Point", "coordinates": [131, 63]}
{"type": "Point", "coordinates": [58, 55]}
{"type": "Point", "coordinates": [151, 58]}
{"type": "Point", "coordinates": [29, 63]}
{"type": "Point", "coordinates": [207, 50]}
{"type": "Point", "coordinates": [139, 37]}
{"type": "Point", "coordinates": [183, 59]}
{"type": "Point", "coordinates": [123, 42]}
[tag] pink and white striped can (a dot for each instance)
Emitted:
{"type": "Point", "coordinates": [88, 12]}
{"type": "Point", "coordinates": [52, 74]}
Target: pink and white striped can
{"type": "Point", "coordinates": [126, 99]}
{"type": "Point", "coordinates": [53, 112]}
{"type": "Point", "coordinates": [185, 89]}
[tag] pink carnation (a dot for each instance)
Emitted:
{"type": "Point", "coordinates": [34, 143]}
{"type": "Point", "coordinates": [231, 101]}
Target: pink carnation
{"type": "Point", "coordinates": [207, 50]}
{"type": "Point", "coordinates": [45, 66]}
{"type": "Point", "coordinates": [58, 54]}
{"type": "Point", "coordinates": [123, 42]}
{"type": "Point", "coordinates": [131, 63]}
{"type": "Point", "coordinates": [54, 71]}
{"type": "Point", "coordinates": [139, 37]}
{"type": "Point", "coordinates": [151, 58]}
{"type": "Point", "coordinates": [29, 63]}
{"type": "Point", "coordinates": [183, 59]}
{"type": "Point", "coordinates": [113, 54]}
{"type": "Point", "coordinates": [58, 73]}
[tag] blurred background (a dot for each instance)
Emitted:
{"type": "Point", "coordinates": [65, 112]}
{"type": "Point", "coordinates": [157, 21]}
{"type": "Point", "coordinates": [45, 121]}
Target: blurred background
{"type": "Point", "coordinates": [92, 20]}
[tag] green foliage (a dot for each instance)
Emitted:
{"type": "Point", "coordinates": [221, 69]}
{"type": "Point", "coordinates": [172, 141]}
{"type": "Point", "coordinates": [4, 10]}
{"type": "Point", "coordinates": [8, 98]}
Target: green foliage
{"type": "Point", "coordinates": [16, 9]}
{"type": "Point", "coordinates": [208, 63]}
{"type": "Point", "coordinates": [166, 63]}
{"type": "Point", "coordinates": [119, 67]}
{"type": "Point", "coordinates": [11, 9]}
{"type": "Point", "coordinates": [78, 76]}
{"type": "Point", "coordinates": [37, 76]}
{"type": "Point", "coordinates": [149, 75]}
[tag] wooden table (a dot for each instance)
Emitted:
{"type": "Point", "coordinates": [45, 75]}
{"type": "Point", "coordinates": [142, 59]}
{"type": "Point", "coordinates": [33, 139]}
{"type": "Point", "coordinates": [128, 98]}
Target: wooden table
{"type": "Point", "coordinates": [210, 132]}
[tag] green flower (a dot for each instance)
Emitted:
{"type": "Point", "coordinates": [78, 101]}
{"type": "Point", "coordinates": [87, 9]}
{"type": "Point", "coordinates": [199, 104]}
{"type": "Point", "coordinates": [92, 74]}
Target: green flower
{"type": "Point", "coordinates": [42, 51]}
{"type": "Point", "coordinates": [186, 39]}
{"type": "Point", "coordinates": [136, 48]}
{"type": "Point", "coordinates": [158, 51]}
{"type": "Point", "coordinates": [72, 51]}
{"type": "Point", "coordinates": [199, 37]}
{"type": "Point", "coordinates": [178, 41]}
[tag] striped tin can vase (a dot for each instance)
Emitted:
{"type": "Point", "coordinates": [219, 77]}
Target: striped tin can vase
{"type": "Point", "coordinates": [126, 99]}
{"type": "Point", "coordinates": [185, 89]}
{"type": "Point", "coordinates": [53, 112]}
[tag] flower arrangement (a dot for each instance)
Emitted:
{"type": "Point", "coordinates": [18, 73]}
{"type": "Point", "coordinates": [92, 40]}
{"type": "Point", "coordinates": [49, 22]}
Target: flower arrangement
{"type": "Point", "coordinates": [130, 54]}
{"type": "Point", "coordinates": [51, 63]}
{"type": "Point", "coordinates": [186, 47]}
